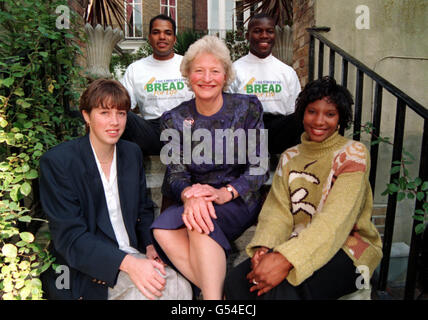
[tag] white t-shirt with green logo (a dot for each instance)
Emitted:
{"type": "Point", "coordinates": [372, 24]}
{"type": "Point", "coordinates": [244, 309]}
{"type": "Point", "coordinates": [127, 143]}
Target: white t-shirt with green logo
{"type": "Point", "coordinates": [275, 83]}
{"type": "Point", "coordinates": [155, 85]}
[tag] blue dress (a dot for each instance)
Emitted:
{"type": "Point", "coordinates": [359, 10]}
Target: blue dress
{"type": "Point", "coordinates": [229, 152]}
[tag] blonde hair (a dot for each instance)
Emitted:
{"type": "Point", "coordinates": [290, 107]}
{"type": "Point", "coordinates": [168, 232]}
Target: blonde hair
{"type": "Point", "coordinates": [211, 45]}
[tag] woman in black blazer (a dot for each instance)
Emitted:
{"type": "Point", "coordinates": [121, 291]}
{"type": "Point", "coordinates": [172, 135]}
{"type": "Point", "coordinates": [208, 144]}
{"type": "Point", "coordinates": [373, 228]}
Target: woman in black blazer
{"type": "Point", "coordinates": [93, 192]}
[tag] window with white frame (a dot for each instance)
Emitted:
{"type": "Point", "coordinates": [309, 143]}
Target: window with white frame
{"type": "Point", "coordinates": [134, 17]}
{"type": "Point", "coordinates": [169, 8]}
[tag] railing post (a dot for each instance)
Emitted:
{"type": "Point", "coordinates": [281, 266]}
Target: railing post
{"type": "Point", "coordinates": [320, 59]}
{"type": "Point", "coordinates": [344, 72]}
{"type": "Point", "coordinates": [311, 58]}
{"type": "Point", "coordinates": [392, 198]}
{"type": "Point", "coordinates": [358, 104]}
{"type": "Point", "coordinates": [331, 63]}
{"type": "Point", "coordinates": [374, 149]}
{"type": "Point", "coordinates": [415, 242]}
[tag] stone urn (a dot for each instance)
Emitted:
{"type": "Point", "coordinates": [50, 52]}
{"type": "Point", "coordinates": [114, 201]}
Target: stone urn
{"type": "Point", "coordinates": [283, 49]}
{"type": "Point", "coordinates": [101, 42]}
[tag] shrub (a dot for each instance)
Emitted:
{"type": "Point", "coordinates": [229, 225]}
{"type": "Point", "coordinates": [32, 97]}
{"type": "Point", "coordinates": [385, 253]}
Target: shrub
{"type": "Point", "coordinates": [37, 81]}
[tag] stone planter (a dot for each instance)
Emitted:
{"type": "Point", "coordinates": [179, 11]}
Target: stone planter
{"type": "Point", "coordinates": [101, 43]}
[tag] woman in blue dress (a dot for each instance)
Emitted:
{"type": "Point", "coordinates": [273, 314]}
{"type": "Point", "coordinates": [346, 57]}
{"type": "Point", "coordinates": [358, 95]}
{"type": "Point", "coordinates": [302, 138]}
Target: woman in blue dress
{"type": "Point", "coordinates": [217, 162]}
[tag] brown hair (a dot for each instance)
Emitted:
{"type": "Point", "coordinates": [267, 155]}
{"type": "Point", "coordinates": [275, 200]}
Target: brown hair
{"type": "Point", "coordinates": [105, 93]}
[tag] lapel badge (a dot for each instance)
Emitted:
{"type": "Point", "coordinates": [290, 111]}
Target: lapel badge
{"type": "Point", "coordinates": [188, 122]}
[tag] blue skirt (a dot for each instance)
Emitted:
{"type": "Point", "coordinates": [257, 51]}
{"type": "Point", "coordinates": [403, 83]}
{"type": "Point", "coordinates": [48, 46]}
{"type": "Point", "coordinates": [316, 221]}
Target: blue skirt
{"type": "Point", "coordinates": [233, 218]}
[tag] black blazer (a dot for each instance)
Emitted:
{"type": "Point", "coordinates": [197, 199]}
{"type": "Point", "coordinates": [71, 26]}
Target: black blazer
{"type": "Point", "coordinates": [83, 239]}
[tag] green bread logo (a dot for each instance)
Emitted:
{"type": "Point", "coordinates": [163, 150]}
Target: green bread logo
{"type": "Point", "coordinates": [261, 88]}
{"type": "Point", "coordinates": [166, 86]}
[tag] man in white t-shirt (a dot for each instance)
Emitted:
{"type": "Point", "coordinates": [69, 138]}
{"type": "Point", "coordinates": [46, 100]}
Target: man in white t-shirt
{"type": "Point", "coordinates": [155, 85]}
{"type": "Point", "coordinates": [275, 84]}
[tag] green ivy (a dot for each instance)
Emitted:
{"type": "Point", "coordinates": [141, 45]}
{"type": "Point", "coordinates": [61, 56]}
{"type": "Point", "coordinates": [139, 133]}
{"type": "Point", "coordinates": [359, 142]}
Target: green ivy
{"type": "Point", "coordinates": [119, 62]}
{"type": "Point", "coordinates": [404, 185]}
{"type": "Point", "coordinates": [237, 44]}
{"type": "Point", "coordinates": [38, 84]}
{"type": "Point", "coordinates": [184, 39]}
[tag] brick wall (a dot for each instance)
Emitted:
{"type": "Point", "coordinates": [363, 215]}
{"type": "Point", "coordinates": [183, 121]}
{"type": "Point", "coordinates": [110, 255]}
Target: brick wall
{"type": "Point", "coordinates": [150, 9]}
{"type": "Point", "coordinates": [184, 14]}
{"type": "Point", "coordinates": [79, 7]}
{"type": "Point", "coordinates": [303, 17]}
{"type": "Point", "coordinates": [200, 17]}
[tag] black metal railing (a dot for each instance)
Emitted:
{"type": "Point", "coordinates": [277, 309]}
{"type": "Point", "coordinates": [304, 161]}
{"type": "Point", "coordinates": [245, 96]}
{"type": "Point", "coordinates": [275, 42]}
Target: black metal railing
{"type": "Point", "coordinates": [403, 102]}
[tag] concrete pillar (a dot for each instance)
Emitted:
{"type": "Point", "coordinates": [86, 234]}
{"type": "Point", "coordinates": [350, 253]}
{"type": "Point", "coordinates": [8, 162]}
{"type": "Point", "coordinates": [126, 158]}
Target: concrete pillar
{"type": "Point", "coordinates": [222, 18]}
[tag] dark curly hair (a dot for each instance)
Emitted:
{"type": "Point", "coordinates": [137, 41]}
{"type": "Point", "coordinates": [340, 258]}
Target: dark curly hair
{"type": "Point", "coordinates": [336, 94]}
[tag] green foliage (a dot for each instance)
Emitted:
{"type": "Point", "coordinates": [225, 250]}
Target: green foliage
{"type": "Point", "coordinates": [280, 10]}
{"type": "Point", "coordinates": [404, 186]}
{"type": "Point", "coordinates": [119, 63]}
{"type": "Point", "coordinates": [237, 44]}
{"type": "Point", "coordinates": [185, 39]}
{"type": "Point", "coordinates": [37, 78]}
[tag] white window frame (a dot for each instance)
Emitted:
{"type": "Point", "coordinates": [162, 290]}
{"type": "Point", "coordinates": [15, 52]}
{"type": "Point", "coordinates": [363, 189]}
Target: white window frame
{"type": "Point", "coordinates": [136, 5]}
{"type": "Point", "coordinates": [169, 6]}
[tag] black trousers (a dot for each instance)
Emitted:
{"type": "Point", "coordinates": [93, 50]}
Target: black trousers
{"type": "Point", "coordinates": [283, 131]}
{"type": "Point", "coordinates": [336, 279]}
{"type": "Point", "coordinates": [145, 133]}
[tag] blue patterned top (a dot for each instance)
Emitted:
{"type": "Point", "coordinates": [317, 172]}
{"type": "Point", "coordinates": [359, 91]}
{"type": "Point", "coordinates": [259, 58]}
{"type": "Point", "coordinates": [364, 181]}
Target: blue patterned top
{"type": "Point", "coordinates": [232, 151]}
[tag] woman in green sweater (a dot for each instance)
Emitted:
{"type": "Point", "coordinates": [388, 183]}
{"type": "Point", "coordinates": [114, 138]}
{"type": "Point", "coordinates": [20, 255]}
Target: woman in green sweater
{"type": "Point", "coordinates": [314, 234]}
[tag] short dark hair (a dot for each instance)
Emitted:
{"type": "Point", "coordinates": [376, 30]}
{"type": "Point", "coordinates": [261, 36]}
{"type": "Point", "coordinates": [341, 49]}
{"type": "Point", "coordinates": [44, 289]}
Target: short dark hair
{"type": "Point", "coordinates": [162, 17]}
{"type": "Point", "coordinates": [105, 93]}
{"type": "Point", "coordinates": [326, 87]}
{"type": "Point", "coordinates": [259, 16]}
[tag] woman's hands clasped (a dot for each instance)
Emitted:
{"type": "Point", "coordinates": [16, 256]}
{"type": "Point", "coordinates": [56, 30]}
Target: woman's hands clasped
{"type": "Point", "coordinates": [198, 206]}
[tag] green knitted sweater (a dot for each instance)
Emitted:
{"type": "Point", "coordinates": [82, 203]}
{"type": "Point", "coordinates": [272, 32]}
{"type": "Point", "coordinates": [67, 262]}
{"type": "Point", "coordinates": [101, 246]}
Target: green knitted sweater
{"type": "Point", "coordinates": [320, 202]}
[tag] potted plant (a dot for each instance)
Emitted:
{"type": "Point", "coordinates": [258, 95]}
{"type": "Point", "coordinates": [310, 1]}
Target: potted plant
{"type": "Point", "coordinates": [100, 17]}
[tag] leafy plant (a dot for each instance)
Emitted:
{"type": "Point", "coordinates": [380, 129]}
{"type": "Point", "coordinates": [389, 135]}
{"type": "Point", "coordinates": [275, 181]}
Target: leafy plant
{"type": "Point", "coordinates": [119, 62]}
{"type": "Point", "coordinates": [185, 39]}
{"type": "Point", "coordinates": [405, 186]}
{"type": "Point", "coordinates": [37, 82]}
{"type": "Point", "coordinates": [237, 44]}
{"type": "Point", "coordinates": [280, 10]}
{"type": "Point", "coordinates": [106, 13]}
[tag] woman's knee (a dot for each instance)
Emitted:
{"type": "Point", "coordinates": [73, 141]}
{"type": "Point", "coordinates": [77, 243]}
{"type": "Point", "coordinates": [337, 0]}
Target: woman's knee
{"type": "Point", "coordinates": [158, 234]}
{"type": "Point", "coordinates": [162, 236]}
